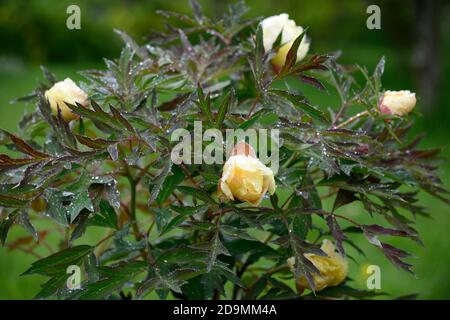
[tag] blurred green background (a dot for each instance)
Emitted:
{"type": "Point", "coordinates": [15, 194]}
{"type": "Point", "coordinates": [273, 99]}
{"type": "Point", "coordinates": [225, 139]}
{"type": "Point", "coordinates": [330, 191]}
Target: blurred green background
{"type": "Point", "coordinates": [414, 39]}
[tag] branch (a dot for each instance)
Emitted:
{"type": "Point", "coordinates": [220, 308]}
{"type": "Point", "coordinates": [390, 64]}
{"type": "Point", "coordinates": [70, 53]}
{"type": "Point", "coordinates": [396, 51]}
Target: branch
{"type": "Point", "coordinates": [351, 119]}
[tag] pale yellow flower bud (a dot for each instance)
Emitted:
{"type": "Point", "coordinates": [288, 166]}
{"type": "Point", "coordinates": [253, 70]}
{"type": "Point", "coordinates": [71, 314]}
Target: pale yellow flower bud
{"type": "Point", "coordinates": [272, 27]}
{"type": "Point", "coordinates": [245, 178]}
{"type": "Point", "coordinates": [333, 268]}
{"type": "Point", "coordinates": [66, 91]}
{"type": "Point", "coordinates": [397, 102]}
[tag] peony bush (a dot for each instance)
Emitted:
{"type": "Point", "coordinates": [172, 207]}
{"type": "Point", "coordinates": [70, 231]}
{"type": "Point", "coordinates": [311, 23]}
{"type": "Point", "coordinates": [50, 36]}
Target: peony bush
{"type": "Point", "coordinates": [94, 161]}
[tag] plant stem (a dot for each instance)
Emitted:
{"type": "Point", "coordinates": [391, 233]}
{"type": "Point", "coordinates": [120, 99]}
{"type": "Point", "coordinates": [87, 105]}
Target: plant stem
{"type": "Point", "coordinates": [108, 236]}
{"type": "Point", "coordinates": [288, 199]}
{"type": "Point", "coordinates": [133, 209]}
{"type": "Point", "coordinates": [255, 103]}
{"type": "Point", "coordinates": [239, 273]}
{"type": "Point", "coordinates": [133, 185]}
{"type": "Point", "coordinates": [151, 227]}
{"type": "Point", "coordinates": [339, 114]}
{"type": "Point", "coordinates": [102, 244]}
{"type": "Point", "coordinates": [269, 237]}
{"type": "Point", "coordinates": [188, 174]}
{"type": "Point", "coordinates": [351, 119]}
{"type": "Point", "coordinates": [329, 194]}
{"type": "Point", "coordinates": [276, 269]}
{"type": "Point", "coordinates": [29, 251]}
{"type": "Point", "coordinates": [268, 272]}
{"type": "Point", "coordinates": [47, 245]}
{"type": "Point", "coordinates": [348, 219]}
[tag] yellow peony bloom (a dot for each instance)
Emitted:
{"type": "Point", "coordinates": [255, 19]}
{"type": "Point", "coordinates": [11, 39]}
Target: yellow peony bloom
{"type": "Point", "coordinates": [397, 102]}
{"type": "Point", "coordinates": [272, 27]}
{"type": "Point", "coordinates": [245, 178]}
{"type": "Point", "coordinates": [333, 268]}
{"type": "Point", "coordinates": [66, 91]}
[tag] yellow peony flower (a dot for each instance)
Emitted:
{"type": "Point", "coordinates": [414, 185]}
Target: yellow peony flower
{"type": "Point", "coordinates": [66, 91]}
{"type": "Point", "coordinates": [272, 27]}
{"type": "Point", "coordinates": [397, 102]}
{"type": "Point", "coordinates": [245, 178]}
{"type": "Point", "coordinates": [333, 268]}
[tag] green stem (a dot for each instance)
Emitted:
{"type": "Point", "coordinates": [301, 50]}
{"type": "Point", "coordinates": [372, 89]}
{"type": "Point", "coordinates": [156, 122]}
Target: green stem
{"type": "Point", "coordinates": [288, 199]}
{"type": "Point", "coordinates": [350, 120]}
{"type": "Point", "coordinates": [252, 108]}
{"type": "Point", "coordinates": [133, 185]}
{"type": "Point", "coordinates": [135, 227]}
{"type": "Point", "coordinates": [133, 199]}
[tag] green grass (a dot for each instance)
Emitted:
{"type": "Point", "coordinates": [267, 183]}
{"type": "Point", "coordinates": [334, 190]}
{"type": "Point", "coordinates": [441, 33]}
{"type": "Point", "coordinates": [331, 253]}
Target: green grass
{"type": "Point", "coordinates": [431, 262]}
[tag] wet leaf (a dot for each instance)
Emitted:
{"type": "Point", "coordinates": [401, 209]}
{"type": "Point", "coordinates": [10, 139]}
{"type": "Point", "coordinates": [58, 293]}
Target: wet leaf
{"type": "Point", "coordinates": [302, 104]}
{"type": "Point", "coordinates": [336, 232]}
{"type": "Point", "coordinates": [343, 197]}
{"type": "Point", "coordinates": [58, 262]}
{"type": "Point", "coordinates": [216, 249]}
{"type": "Point", "coordinates": [106, 217]}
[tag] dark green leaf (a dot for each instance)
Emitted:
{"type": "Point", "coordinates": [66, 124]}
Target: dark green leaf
{"type": "Point", "coordinates": [343, 197]}
{"type": "Point", "coordinates": [24, 147]}
{"type": "Point", "coordinates": [51, 78]}
{"type": "Point", "coordinates": [224, 108]}
{"type": "Point", "coordinates": [156, 187]}
{"type": "Point", "coordinates": [196, 193]}
{"type": "Point", "coordinates": [184, 213]}
{"type": "Point", "coordinates": [107, 216]}
{"type": "Point", "coordinates": [6, 201]}
{"type": "Point", "coordinates": [59, 261]}
{"type": "Point", "coordinates": [175, 177]}
{"type": "Point", "coordinates": [50, 287]}
{"type": "Point", "coordinates": [216, 249]}
{"type": "Point", "coordinates": [336, 232]}
{"type": "Point", "coordinates": [291, 57]}
{"type": "Point", "coordinates": [81, 223]}
{"type": "Point", "coordinates": [302, 104]}
{"type": "Point", "coordinates": [5, 225]}
{"type": "Point", "coordinates": [163, 216]}
{"type": "Point", "coordinates": [25, 221]}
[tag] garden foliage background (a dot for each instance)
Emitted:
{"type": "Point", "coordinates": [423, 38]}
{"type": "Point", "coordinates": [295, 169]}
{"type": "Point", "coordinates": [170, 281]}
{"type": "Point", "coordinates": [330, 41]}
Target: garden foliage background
{"type": "Point", "coordinates": [414, 39]}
